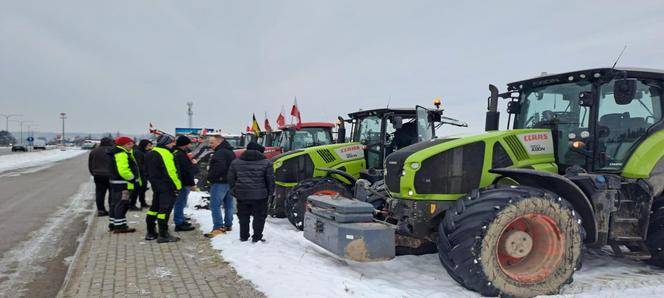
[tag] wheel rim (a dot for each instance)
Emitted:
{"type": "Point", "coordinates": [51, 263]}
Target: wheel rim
{"type": "Point", "coordinates": [530, 248]}
{"type": "Point", "coordinates": [326, 192]}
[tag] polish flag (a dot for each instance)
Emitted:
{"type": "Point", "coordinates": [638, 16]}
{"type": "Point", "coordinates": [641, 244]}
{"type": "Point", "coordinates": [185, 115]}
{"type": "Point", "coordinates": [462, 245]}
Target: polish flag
{"type": "Point", "coordinates": [154, 131]}
{"type": "Point", "coordinates": [295, 112]}
{"type": "Point", "coordinates": [203, 132]}
{"type": "Point", "coordinates": [281, 119]}
{"type": "Point", "coordinates": [267, 125]}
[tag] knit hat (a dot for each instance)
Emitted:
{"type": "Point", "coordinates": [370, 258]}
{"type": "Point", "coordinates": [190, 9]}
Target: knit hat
{"type": "Point", "coordinates": [182, 141]}
{"type": "Point", "coordinates": [164, 140]}
{"type": "Point", "coordinates": [121, 141]}
{"type": "Point", "coordinates": [255, 146]}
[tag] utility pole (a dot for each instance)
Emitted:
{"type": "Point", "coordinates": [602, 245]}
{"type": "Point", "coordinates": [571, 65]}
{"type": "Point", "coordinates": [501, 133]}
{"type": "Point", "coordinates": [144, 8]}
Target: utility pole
{"type": "Point", "coordinates": [7, 116]}
{"type": "Point", "coordinates": [63, 116]}
{"type": "Point", "coordinates": [190, 113]}
{"type": "Point", "coordinates": [20, 123]}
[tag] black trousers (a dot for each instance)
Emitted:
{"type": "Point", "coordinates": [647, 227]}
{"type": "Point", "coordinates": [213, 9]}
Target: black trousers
{"type": "Point", "coordinates": [101, 188]}
{"type": "Point", "coordinates": [119, 206]}
{"type": "Point", "coordinates": [138, 195]}
{"type": "Point", "coordinates": [252, 208]}
{"type": "Point", "coordinates": [160, 210]}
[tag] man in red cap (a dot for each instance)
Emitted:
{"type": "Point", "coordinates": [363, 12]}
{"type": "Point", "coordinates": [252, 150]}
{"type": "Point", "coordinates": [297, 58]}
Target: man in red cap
{"type": "Point", "coordinates": [125, 176]}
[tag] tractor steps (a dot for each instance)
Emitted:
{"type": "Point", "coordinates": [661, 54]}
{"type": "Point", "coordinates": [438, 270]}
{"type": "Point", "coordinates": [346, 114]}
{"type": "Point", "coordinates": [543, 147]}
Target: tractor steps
{"type": "Point", "coordinates": [626, 220]}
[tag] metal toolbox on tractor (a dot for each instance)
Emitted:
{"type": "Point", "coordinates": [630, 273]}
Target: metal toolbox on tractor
{"type": "Point", "coordinates": [345, 227]}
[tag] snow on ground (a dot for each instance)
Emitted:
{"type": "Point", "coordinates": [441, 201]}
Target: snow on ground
{"type": "Point", "coordinates": [36, 158]}
{"type": "Point", "coordinates": [287, 265]}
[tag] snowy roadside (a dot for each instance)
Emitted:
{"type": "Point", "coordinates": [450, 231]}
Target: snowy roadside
{"type": "Point", "coordinates": [36, 158]}
{"type": "Point", "coordinates": [287, 265]}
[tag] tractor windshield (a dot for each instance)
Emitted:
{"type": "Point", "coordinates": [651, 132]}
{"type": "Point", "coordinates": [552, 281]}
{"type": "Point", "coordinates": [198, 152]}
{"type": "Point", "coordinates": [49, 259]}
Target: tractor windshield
{"type": "Point", "coordinates": [556, 107]}
{"type": "Point", "coordinates": [306, 137]}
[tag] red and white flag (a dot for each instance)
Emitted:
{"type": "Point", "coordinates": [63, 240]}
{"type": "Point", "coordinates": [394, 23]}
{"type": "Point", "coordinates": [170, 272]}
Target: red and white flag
{"type": "Point", "coordinates": [203, 132]}
{"type": "Point", "coordinates": [267, 125]}
{"type": "Point", "coordinates": [281, 119]}
{"type": "Point", "coordinates": [154, 131]}
{"type": "Point", "coordinates": [295, 112]}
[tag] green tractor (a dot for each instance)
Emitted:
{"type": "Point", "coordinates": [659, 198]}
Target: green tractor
{"type": "Point", "coordinates": [509, 211]}
{"type": "Point", "coordinates": [336, 168]}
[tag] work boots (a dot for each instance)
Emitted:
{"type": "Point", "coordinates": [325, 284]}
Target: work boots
{"type": "Point", "coordinates": [165, 236]}
{"type": "Point", "coordinates": [152, 228]}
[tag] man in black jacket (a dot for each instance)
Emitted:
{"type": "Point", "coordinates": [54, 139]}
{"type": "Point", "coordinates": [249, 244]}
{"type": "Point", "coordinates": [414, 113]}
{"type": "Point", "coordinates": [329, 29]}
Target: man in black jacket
{"type": "Point", "coordinates": [186, 170]}
{"type": "Point", "coordinates": [99, 165]}
{"type": "Point", "coordinates": [252, 181]}
{"type": "Point", "coordinates": [219, 190]}
{"type": "Point", "coordinates": [165, 183]}
{"type": "Point", "coordinates": [139, 193]}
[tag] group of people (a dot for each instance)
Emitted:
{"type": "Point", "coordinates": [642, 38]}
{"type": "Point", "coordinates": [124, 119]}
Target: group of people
{"type": "Point", "coordinates": [124, 169]}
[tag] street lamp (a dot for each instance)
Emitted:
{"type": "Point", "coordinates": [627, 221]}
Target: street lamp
{"type": "Point", "coordinates": [7, 116]}
{"type": "Point", "coordinates": [21, 122]}
{"type": "Point", "coordinates": [63, 116]}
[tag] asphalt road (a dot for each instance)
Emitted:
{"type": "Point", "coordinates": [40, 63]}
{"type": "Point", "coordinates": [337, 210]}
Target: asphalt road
{"type": "Point", "coordinates": [6, 150]}
{"type": "Point", "coordinates": [43, 212]}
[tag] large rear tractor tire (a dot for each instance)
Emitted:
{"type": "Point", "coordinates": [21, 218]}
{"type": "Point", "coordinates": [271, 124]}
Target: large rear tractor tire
{"type": "Point", "coordinates": [511, 240]}
{"type": "Point", "coordinates": [296, 200]}
{"type": "Point", "coordinates": [655, 240]}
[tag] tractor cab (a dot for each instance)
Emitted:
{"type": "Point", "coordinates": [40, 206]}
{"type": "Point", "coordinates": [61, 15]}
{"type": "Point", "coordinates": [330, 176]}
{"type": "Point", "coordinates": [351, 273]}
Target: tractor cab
{"type": "Point", "coordinates": [597, 117]}
{"type": "Point", "coordinates": [309, 134]}
{"type": "Point", "coordinates": [289, 138]}
{"type": "Point", "coordinates": [234, 140]}
{"type": "Point", "coordinates": [383, 131]}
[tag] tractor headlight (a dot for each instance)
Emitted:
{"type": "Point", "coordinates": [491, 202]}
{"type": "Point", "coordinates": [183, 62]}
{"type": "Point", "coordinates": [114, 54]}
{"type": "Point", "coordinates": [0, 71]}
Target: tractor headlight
{"type": "Point", "coordinates": [411, 192]}
{"type": "Point", "coordinates": [414, 165]}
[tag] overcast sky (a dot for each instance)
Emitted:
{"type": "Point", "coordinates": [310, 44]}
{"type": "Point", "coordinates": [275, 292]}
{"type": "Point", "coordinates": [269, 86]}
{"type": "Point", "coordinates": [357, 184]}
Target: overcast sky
{"type": "Point", "coordinates": [117, 65]}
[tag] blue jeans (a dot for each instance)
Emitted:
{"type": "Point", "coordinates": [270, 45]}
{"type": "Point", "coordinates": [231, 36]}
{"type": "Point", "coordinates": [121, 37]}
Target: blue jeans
{"type": "Point", "coordinates": [220, 193]}
{"type": "Point", "coordinates": [180, 203]}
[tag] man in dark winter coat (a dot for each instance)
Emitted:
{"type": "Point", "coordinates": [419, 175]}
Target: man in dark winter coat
{"type": "Point", "coordinates": [219, 190]}
{"type": "Point", "coordinates": [186, 170]}
{"type": "Point", "coordinates": [165, 183]}
{"type": "Point", "coordinates": [139, 193]}
{"type": "Point", "coordinates": [99, 165]}
{"type": "Point", "coordinates": [252, 181]}
{"type": "Point", "coordinates": [124, 178]}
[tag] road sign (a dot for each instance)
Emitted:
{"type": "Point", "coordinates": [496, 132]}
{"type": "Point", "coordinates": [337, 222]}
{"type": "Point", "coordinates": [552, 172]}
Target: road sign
{"type": "Point", "coordinates": [30, 139]}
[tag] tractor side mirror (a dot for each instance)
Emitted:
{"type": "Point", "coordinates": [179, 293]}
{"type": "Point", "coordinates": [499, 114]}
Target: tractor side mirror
{"type": "Point", "coordinates": [513, 107]}
{"type": "Point", "coordinates": [624, 91]}
{"type": "Point", "coordinates": [586, 99]}
{"type": "Point", "coordinates": [397, 122]}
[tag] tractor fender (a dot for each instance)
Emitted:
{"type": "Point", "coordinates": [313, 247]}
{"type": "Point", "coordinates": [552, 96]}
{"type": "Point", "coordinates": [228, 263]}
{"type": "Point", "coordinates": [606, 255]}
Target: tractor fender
{"type": "Point", "coordinates": [343, 174]}
{"type": "Point", "coordinates": [560, 185]}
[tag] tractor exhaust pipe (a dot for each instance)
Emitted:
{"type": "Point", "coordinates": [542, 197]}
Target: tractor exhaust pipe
{"type": "Point", "coordinates": [341, 130]}
{"type": "Point", "coordinates": [492, 114]}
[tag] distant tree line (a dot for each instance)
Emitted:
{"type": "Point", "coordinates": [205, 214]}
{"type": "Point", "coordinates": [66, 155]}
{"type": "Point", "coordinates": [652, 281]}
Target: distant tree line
{"type": "Point", "coordinates": [6, 138]}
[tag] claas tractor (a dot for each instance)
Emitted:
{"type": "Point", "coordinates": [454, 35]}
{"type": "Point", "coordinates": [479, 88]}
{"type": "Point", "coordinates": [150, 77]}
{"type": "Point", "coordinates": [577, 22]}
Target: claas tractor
{"type": "Point", "coordinates": [335, 168]}
{"type": "Point", "coordinates": [581, 164]}
{"type": "Point", "coordinates": [289, 137]}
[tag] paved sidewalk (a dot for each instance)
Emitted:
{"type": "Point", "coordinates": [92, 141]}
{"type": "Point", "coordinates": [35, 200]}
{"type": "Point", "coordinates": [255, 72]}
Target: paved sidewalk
{"type": "Point", "coordinates": [125, 265]}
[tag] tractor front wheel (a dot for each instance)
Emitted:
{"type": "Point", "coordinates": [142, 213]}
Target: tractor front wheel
{"type": "Point", "coordinates": [511, 240]}
{"type": "Point", "coordinates": [296, 200]}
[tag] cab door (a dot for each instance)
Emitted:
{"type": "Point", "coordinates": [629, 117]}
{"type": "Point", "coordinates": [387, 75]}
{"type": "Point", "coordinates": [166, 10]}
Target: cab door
{"type": "Point", "coordinates": [425, 127]}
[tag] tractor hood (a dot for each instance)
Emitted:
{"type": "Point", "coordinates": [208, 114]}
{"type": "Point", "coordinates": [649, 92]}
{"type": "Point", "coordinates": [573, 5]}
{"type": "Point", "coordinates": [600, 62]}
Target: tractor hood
{"type": "Point", "coordinates": [305, 163]}
{"type": "Point", "coordinates": [447, 168]}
